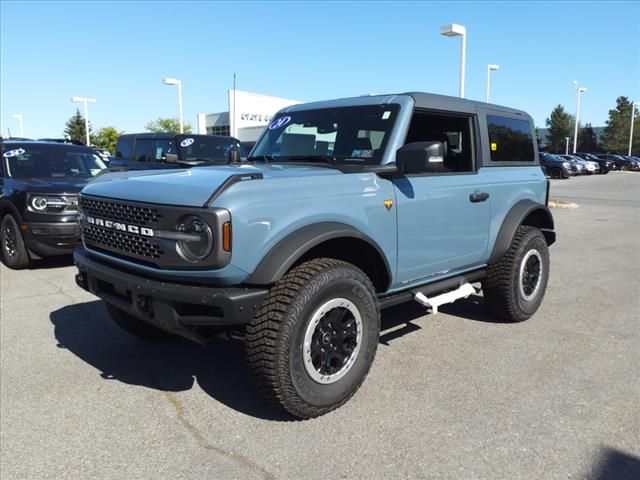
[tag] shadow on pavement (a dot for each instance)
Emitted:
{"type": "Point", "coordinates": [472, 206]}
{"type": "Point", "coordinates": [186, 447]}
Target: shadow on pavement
{"type": "Point", "coordinates": [52, 262]}
{"type": "Point", "coordinates": [616, 465]}
{"type": "Point", "coordinates": [86, 330]}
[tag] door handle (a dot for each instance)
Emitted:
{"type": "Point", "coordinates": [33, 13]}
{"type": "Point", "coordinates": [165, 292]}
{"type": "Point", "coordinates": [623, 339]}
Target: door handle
{"type": "Point", "coordinates": [478, 196]}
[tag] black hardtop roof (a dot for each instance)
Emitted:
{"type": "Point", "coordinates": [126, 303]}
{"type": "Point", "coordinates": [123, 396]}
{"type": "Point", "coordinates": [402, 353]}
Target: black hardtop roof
{"type": "Point", "coordinates": [14, 142]}
{"type": "Point", "coordinates": [432, 100]}
{"type": "Point", "coordinates": [429, 101]}
{"type": "Point", "coordinates": [170, 135]}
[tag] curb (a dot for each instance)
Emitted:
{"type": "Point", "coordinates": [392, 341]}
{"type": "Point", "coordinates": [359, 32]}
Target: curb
{"type": "Point", "coordinates": [561, 204]}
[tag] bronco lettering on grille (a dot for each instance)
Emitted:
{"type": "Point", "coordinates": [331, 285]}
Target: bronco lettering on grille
{"type": "Point", "coordinates": [123, 227]}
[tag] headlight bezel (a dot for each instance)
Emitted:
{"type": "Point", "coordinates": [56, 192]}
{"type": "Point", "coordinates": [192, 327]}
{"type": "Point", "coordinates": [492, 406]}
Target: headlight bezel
{"type": "Point", "coordinates": [194, 226]}
{"type": "Point", "coordinates": [52, 203]}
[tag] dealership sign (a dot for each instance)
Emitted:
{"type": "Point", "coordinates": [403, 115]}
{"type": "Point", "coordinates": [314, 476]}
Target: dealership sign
{"type": "Point", "coordinates": [250, 110]}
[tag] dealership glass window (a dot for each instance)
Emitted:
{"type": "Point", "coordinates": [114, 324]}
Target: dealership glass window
{"type": "Point", "coordinates": [510, 139]}
{"type": "Point", "coordinates": [223, 130]}
{"type": "Point", "coordinates": [144, 150]}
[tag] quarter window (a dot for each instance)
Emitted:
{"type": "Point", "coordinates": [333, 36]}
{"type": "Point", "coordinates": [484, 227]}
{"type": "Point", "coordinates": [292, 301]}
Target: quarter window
{"type": "Point", "coordinates": [510, 140]}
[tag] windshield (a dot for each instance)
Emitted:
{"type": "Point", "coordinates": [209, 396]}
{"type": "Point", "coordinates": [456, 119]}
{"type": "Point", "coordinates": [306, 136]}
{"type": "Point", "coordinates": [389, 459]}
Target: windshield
{"type": "Point", "coordinates": [355, 135]}
{"type": "Point", "coordinates": [45, 161]}
{"type": "Point", "coordinates": [213, 149]}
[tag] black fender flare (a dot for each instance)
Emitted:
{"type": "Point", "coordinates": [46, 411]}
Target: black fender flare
{"type": "Point", "coordinates": [525, 212]}
{"type": "Point", "coordinates": [292, 247]}
{"type": "Point", "coordinates": [7, 206]}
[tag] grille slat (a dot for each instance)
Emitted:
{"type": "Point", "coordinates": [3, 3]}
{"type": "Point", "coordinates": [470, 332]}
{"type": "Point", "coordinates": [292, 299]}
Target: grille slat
{"type": "Point", "coordinates": [133, 214]}
{"type": "Point", "coordinates": [125, 243]}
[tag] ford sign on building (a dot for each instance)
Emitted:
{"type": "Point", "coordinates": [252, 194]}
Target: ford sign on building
{"type": "Point", "coordinates": [249, 113]}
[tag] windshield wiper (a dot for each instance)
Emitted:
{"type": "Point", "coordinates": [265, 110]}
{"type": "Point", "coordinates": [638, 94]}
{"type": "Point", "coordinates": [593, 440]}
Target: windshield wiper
{"type": "Point", "coordinates": [262, 158]}
{"type": "Point", "coordinates": [312, 158]}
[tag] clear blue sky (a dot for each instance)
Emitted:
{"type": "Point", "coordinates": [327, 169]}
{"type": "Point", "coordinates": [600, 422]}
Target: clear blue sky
{"type": "Point", "coordinates": [119, 53]}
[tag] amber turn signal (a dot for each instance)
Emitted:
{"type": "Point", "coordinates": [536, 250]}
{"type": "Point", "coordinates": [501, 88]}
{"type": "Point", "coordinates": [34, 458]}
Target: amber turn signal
{"type": "Point", "coordinates": [226, 237]}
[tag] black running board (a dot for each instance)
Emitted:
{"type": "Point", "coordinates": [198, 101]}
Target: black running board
{"type": "Point", "coordinates": [432, 288]}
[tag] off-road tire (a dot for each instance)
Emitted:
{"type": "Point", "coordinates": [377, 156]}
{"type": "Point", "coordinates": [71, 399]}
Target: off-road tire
{"type": "Point", "coordinates": [275, 338]}
{"type": "Point", "coordinates": [19, 259]}
{"type": "Point", "coordinates": [502, 286]}
{"type": "Point", "coordinates": [136, 327]}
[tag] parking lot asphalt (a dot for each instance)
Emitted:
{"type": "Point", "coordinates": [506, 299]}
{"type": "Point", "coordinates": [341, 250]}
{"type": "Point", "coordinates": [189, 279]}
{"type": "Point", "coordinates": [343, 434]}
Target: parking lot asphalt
{"type": "Point", "coordinates": [456, 395]}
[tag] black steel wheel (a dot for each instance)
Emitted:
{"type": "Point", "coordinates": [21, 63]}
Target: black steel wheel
{"type": "Point", "coordinates": [14, 251]}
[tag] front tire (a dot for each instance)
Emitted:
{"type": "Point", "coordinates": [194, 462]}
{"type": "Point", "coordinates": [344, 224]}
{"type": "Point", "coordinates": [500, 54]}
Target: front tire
{"type": "Point", "coordinates": [314, 339]}
{"type": "Point", "coordinates": [136, 327]}
{"type": "Point", "coordinates": [14, 251]}
{"type": "Point", "coordinates": [515, 285]}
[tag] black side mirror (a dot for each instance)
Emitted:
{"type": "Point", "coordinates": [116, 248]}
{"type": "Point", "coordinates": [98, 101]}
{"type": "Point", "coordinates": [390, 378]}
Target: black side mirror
{"type": "Point", "coordinates": [171, 157]}
{"type": "Point", "coordinates": [421, 157]}
{"type": "Point", "coordinates": [233, 155]}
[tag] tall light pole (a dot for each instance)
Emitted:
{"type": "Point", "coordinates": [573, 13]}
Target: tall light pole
{"type": "Point", "coordinates": [454, 30]}
{"type": "Point", "coordinates": [579, 90]}
{"type": "Point", "coordinates": [85, 101]}
{"type": "Point", "coordinates": [633, 114]}
{"type": "Point", "coordinates": [175, 81]}
{"type": "Point", "coordinates": [566, 149]}
{"type": "Point", "coordinates": [490, 67]}
{"type": "Point", "coordinates": [20, 122]}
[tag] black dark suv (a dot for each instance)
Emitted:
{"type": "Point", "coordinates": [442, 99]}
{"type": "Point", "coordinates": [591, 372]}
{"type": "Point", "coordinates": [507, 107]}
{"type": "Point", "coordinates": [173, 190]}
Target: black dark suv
{"type": "Point", "coordinates": [555, 166]}
{"type": "Point", "coordinates": [39, 183]}
{"type": "Point", "coordinates": [144, 151]}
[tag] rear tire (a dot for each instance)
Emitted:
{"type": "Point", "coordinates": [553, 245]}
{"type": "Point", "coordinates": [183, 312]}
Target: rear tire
{"type": "Point", "coordinates": [14, 251]}
{"type": "Point", "coordinates": [314, 339]}
{"type": "Point", "coordinates": [515, 285]}
{"type": "Point", "coordinates": [136, 327]}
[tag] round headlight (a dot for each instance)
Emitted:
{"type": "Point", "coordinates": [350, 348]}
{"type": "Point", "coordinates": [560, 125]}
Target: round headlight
{"type": "Point", "coordinates": [39, 203]}
{"type": "Point", "coordinates": [198, 239]}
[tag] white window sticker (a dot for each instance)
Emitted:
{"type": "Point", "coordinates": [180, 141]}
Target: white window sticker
{"type": "Point", "coordinates": [386, 115]}
{"type": "Point", "coordinates": [279, 123]}
{"type": "Point", "coordinates": [13, 153]}
{"type": "Point", "coordinates": [186, 142]}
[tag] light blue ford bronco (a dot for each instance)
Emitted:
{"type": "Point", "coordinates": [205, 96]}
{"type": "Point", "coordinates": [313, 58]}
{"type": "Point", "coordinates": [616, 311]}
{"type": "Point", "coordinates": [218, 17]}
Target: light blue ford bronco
{"type": "Point", "coordinates": [343, 208]}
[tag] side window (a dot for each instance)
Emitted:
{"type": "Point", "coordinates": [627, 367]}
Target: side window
{"type": "Point", "coordinates": [144, 150]}
{"type": "Point", "coordinates": [510, 140]}
{"type": "Point", "coordinates": [454, 131]}
{"type": "Point", "coordinates": [123, 146]}
{"type": "Point", "coordinates": [162, 147]}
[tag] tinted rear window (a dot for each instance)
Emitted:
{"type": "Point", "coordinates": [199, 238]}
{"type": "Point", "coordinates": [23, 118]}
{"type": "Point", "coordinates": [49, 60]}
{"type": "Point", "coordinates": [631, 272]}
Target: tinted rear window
{"type": "Point", "coordinates": [510, 140]}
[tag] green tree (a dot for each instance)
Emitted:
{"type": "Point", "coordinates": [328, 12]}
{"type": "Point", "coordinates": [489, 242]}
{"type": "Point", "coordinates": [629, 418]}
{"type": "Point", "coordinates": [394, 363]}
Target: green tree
{"type": "Point", "coordinates": [166, 125]}
{"type": "Point", "coordinates": [106, 138]}
{"type": "Point", "coordinates": [615, 136]}
{"type": "Point", "coordinates": [560, 124]}
{"type": "Point", "coordinates": [74, 128]}
{"type": "Point", "coordinates": [588, 140]}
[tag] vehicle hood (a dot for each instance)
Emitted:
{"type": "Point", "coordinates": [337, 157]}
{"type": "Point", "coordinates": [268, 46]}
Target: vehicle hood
{"type": "Point", "coordinates": [191, 187]}
{"type": "Point", "coordinates": [52, 185]}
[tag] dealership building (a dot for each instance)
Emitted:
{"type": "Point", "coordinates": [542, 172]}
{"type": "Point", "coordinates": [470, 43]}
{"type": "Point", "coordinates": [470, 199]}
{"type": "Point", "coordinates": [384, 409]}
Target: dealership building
{"type": "Point", "coordinates": [247, 116]}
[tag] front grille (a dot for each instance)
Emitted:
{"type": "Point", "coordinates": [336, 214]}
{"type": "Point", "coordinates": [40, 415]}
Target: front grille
{"type": "Point", "coordinates": [121, 212]}
{"type": "Point", "coordinates": [123, 242]}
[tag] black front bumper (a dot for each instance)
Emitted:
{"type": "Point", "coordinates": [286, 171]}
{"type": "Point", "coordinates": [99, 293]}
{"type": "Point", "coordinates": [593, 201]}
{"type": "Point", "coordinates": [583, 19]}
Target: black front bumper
{"type": "Point", "coordinates": [174, 307]}
{"type": "Point", "coordinates": [51, 238]}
